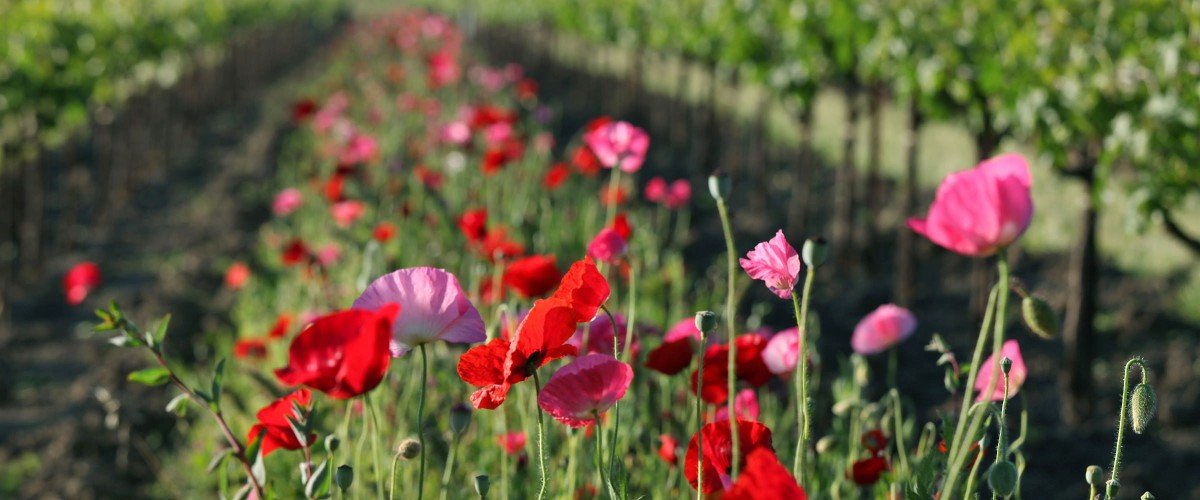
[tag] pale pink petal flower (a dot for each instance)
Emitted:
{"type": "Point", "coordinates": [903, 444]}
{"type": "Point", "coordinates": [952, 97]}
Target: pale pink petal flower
{"type": "Point", "coordinates": [1016, 375]}
{"type": "Point", "coordinates": [774, 262]}
{"type": "Point", "coordinates": [287, 201]}
{"type": "Point", "coordinates": [619, 145]}
{"type": "Point", "coordinates": [745, 404]}
{"type": "Point", "coordinates": [432, 307]}
{"type": "Point", "coordinates": [456, 133]}
{"type": "Point", "coordinates": [329, 254]}
{"type": "Point", "coordinates": [587, 386]}
{"type": "Point", "coordinates": [607, 246]}
{"type": "Point", "coordinates": [885, 327]}
{"type": "Point", "coordinates": [782, 351]}
{"type": "Point", "coordinates": [346, 212]}
{"type": "Point", "coordinates": [979, 211]}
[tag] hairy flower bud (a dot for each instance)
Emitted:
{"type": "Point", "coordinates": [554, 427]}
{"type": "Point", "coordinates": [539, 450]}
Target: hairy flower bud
{"type": "Point", "coordinates": [343, 477]}
{"type": "Point", "coordinates": [1112, 487]}
{"type": "Point", "coordinates": [1094, 476]}
{"type": "Point", "coordinates": [814, 252]}
{"type": "Point", "coordinates": [1142, 407]}
{"type": "Point", "coordinates": [1002, 478]}
{"type": "Point", "coordinates": [482, 485]}
{"type": "Point", "coordinates": [409, 448]}
{"type": "Point", "coordinates": [719, 185]}
{"type": "Point", "coordinates": [706, 321]}
{"type": "Point", "coordinates": [1039, 317]}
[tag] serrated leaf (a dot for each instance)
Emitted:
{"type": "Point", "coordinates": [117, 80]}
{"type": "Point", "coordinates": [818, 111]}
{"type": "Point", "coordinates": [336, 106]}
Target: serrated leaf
{"type": "Point", "coordinates": [318, 484]}
{"type": "Point", "coordinates": [153, 376]}
{"type": "Point", "coordinates": [178, 405]}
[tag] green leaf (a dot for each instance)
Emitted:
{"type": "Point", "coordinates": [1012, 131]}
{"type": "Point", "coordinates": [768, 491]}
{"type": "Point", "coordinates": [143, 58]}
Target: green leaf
{"type": "Point", "coordinates": [152, 376]}
{"type": "Point", "coordinates": [217, 380]}
{"type": "Point", "coordinates": [160, 332]}
{"type": "Point", "coordinates": [178, 405]}
{"type": "Point", "coordinates": [318, 484]}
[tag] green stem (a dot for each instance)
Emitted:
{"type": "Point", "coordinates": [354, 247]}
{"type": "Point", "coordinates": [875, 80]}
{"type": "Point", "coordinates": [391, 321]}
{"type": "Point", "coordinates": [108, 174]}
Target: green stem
{"type": "Point", "coordinates": [421, 421]}
{"type": "Point", "coordinates": [898, 421]}
{"type": "Point", "coordinates": [700, 420]}
{"type": "Point", "coordinates": [395, 462]}
{"type": "Point", "coordinates": [537, 383]}
{"type": "Point", "coordinates": [1002, 433]}
{"type": "Point", "coordinates": [1116, 466]}
{"type": "Point", "coordinates": [614, 183]}
{"type": "Point", "coordinates": [600, 453]}
{"type": "Point", "coordinates": [374, 444]}
{"type": "Point", "coordinates": [731, 273]}
{"type": "Point", "coordinates": [800, 376]}
{"type": "Point", "coordinates": [450, 458]}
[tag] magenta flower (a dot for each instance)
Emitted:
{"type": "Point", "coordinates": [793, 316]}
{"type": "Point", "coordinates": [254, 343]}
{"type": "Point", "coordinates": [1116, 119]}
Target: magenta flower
{"type": "Point", "coordinates": [745, 404]}
{"type": "Point", "coordinates": [885, 327]}
{"type": "Point", "coordinates": [587, 386]}
{"type": "Point", "coordinates": [979, 211]}
{"type": "Point", "coordinates": [607, 246]}
{"type": "Point", "coordinates": [287, 201]}
{"type": "Point", "coordinates": [774, 262]}
{"type": "Point", "coordinates": [1016, 375]}
{"type": "Point", "coordinates": [432, 304]}
{"type": "Point", "coordinates": [782, 351]}
{"type": "Point", "coordinates": [619, 145]}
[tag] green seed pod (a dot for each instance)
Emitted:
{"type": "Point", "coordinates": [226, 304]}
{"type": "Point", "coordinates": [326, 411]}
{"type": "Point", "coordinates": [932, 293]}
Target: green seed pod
{"type": "Point", "coordinates": [482, 485]}
{"type": "Point", "coordinates": [1094, 476]}
{"type": "Point", "coordinates": [1039, 317]}
{"type": "Point", "coordinates": [1142, 407]}
{"type": "Point", "coordinates": [814, 252]}
{"type": "Point", "coordinates": [343, 477]}
{"type": "Point", "coordinates": [1006, 365]}
{"type": "Point", "coordinates": [460, 418]}
{"type": "Point", "coordinates": [1002, 478]}
{"type": "Point", "coordinates": [1147, 496]}
{"type": "Point", "coordinates": [706, 321]}
{"type": "Point", "coordinates": [719, 185]}
{"type": "Point", "coordinates": [331, 443]}
{"type": "Point", "coordinates": [409, 448]}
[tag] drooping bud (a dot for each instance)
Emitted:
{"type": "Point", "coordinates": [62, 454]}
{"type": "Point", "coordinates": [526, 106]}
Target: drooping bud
{"type": "Point", "coordinates": [460, 418]}
{"type": "Point", "coordinates": [1006, 364]}
{"type": "Point", "coordinates": [1002, 478]}
{"type": "Point", "coordinates": [1039, 317]}
{"type": "Point", "coordinates": [719, 185]}
{"type": "Point", "coordinates": [482, 485]}
{"type": "Point", "coordinates": [409, 448]}
{"type": "Point", "coordinates": [814, 252]}
{"type": "Point", "coordinates": [343, 477]}
{"type": "Point", "coordinates": [331, 443]}
{"type": "Point", "coordinates": [706, 321]}
{"type": "Point", "coordinates": [1094, 476]}
{"type": "Point", "coordinates": [1142, 407]}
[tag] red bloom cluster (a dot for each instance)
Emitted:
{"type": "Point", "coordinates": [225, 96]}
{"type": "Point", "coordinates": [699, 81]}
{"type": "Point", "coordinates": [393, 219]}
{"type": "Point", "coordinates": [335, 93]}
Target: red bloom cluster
{"type": "Point", "coordinates": [762, 474]}
{"type": "Point", "coordinates": [491, 243]}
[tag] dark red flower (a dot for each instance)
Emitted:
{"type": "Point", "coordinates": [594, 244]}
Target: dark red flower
{"type": "Point", "coordinates": [597, 123]}
{"type": "Point", "coordinates": [671, 357]}
{"type": "Point", "coordinates": [493, 160]}
{"type": "Point", "coordinates": [620, 224]}
{"type": "Point", "coordinates": [295, 252]}
{"type": "Point", "coordinates": [496, 245]}
{"type": "Point", "coordinates": [250, 348]}
{"type": "Point", "coordinates": [491, 291]}
{"type": "Point", "coordinates": [282, 323]}
{"type": "Point", "coordinates": [487, 115]}
{"type": "Point", "coordinates": [343, 354]}
{"type": "Point", "coordinates": [273, 423]}
{"type": "Point", "coordinates": [532, 276]}
{"type": "Point", "coordinates": [473, 224]}
{"type": "Point", "coordinates": [585, 161]}
{"type": "Point", "coordinates": [303, 109]}
{"type": "Point", "coordinates": [384, 232]}
{"type": "Point", "coordinates": [667, 449]}
{"type": "Point", "coordinates": [527, 89]}
{"type": "Point", "coordinates": [749, 367]}
{"type": "Point", "coordinates": [718, 451]}
{"type": "Point", "coordinates": [874, 440]}
{"type": "Point", "coordinates": [584, 288]}
{"type": "Point", "coordinates": [556, 176]}
{"type": "Point", "coordinates": [80, 280]}
{"type": "Point", "coordinates": [764, 478]}
{"type": "Point", "coordinates": [334, 187]}
{"type": "Point", "coordinates": [867, 471]}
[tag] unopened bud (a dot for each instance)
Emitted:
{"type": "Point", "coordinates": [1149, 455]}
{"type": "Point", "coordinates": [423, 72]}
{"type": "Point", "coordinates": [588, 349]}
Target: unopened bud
{"type": "Point", "coordinates": [482, 485]}
{"type": "Point", "coordinates": [1094, 476]}
{"type": "Point", "coordinates": [1006, 364]}
{"type": "Point", "coordinates": [706, 321]}
{"type": "Point", "coordinates": [814, 252]}
{"type": "Point", "coordinates": [1147, 496]}
{"type": "Point", "coordinates": [1002, 478]}
{"type": "Point", "coordinates": [460, 418]}
{"type": "Point", "coordinates": [331, 443]}
{"type": "Point", "coordinates": [343, 477]}
{"type": "Point", "coordinates": [825, 444]}
{"type": "Point", "coordinates": [1112, 487]}
{"type": "Point", "coordinates": [409, 448]}
{"type": "Point", "coordinates": [1039, 317]}
{"type": "Point", "coordinates": [719, 185]}
{"type": "Point", "coordinates": [1142, 407]}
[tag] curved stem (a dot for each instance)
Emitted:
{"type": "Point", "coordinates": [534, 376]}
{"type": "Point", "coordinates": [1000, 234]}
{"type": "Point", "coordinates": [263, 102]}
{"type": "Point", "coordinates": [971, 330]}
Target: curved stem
{"type": "Point", "coordinates": [537, 383]}
{"type": "Point", "coordinates": [395, 462]}
{"type": "Point", "coordinates": [1116, 466]}
{"type": "Point", "coordinates": [800, 377]}
{"type": "Point", "coordinates": [731, 261]}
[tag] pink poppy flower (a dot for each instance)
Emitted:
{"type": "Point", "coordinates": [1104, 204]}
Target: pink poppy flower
{"type": "Point", "coordinates": [361, 148]}
{"type": "Point", "coordinates": [679, 194]}
{"type": "Point", "coordinates": [434, 305]}
{"type": "Point", "coordinates": [619, 145]}
{"type": "Point", "coordinates": [774, 262]}
{"type": "Point", "coordinates": [885, 327]}
{"type": "Point", "coordinates": [329, 254]}
{"type": "Point", "coordinates": [80, 280]}
{"type": "Point", "coordinates": [587, 386]}
{"type": "Point", "coordinates": [287, 201]}
{"type": "Point", "coordinates": [656, 190]}
{"type": "Point", "coordinates": [608, 245]}
{"type": "Point", "coordinates": [237, 275]}
{"type": "Point", "coordinates": [513, 442]}
{"type": "Point", "coordinates": [782, 351]}
{"type": "Point", "coordinates": [1016, 375]}
{"type": "Point", "coordinates": [745, 404]}
{"type": "Point", "coordinates": [979, 211]}
{"type": "Point", "coordinates": [346, 212]}
{"type": "Point", "coordinates": [456, 133]}
{"type": "Point", "coordinates": [498, 134]}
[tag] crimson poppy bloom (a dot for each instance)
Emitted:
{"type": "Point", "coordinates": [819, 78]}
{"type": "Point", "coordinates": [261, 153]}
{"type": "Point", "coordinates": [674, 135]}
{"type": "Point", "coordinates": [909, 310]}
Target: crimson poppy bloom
{"type": "Point", "coordinates": [532, 276]}
{"type": "Point", "coordinates": [343, 354]}
{"type": "Point", "coordinates": [874, 440]}
{"type": "Point", "coordinates": [494, 160]}
{"type": "Point", "coordinates": [867, 471]}
{"type": "Point", "coordinates": [487, 115]}
{"type": "Point", "coordinates": [675, 352]}
{"type": "Point", "coordinates": [334, 187]}
{"type": "Point", "coordinates": [250, 348]}
{"type": "Point", "coordinates": [497, 246]}
{"type": "Point", "coordinates": [431, 179]}
{"type": "Point", "coordinates": [607, 246]}
{"type": "Point", "coordinates": [237, 275]}
{"type": "Point", "coordinates": [556, 176]}
{"type": "Point", "coordinates": [527, 89]}
{"type": "Point", "coordinates": [718, 451]}
{"type": "Point", "coordinates": [295, 252]}
{"type": "Point", "coordinates": [585, 162]}
{"type": "Point", "coordinates": [80, 280]}
{"type": "Point", "coordinates": [620, 224]}
{"type": "Point", "coordinates": [384, 232]}
{"type": "Point", "coordinates": [273, 423]}
{"type": "Point", "coordinates": [282, 323]}
{"type": "Point", "coordinates": [584, 288]}
{"type": "Point", "coordinates": [764, 477]}
{"type": "Point", "coordinates": [473, 224]}
{"type": "Point", "coordinates": [749, 367]}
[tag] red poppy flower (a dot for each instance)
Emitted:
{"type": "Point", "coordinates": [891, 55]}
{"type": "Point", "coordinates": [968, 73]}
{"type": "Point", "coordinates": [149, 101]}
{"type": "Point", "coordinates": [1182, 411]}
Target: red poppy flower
{"type": "Point", "coordinates": [764, 477]}
{"type": "Point", "coordinates": [610, 197]}
{"type": "Point", "coordinates": [487, 115]}
{"type": "Point", "coordinates": [556, 176]}
{"type": "Point", "coordinates": [597, 123]}
{"type": "Point", "coordinates": [667, 449]}
{"type": "Point", "coordinates": [384, 232]}
{"type": "Point", "coordinates": [273, 421]}
{"type": "Point", "coordinates": [473, 224]}
{"type": "Point", "coordinates": [718, 451]}
{"type": "Point", "coordinates": [303, 109]}
{"type": "Point", "coordinates": [237, 275]}
{"type": "Point", "coordinates": [584, 288]}
{"type": "Point", "coordinates": [80, 280]}
{"type": "Point", "coordinates": [343, 354]}
{"type": "Point", "coordinates": [671, 357]}
{"type": "Point", "coordinates": [867, 471]}
{"type": "Point", "coordinates": [496, 245]}
{"type": "Point", "coordinates": [334, 187]}
{"type": "Point", "coordinates": [749, 367]}
{"type": "Point", "coordinates": [585, 161]}
{"type": "Point", "coordinates": [620, 224]}
{"type": "Point", "coordinates": [532, 276]}
{"type": "Point", "coordinates": [874, 440]}
{"type": "Point", "coordinates": [527, 89]}
{"type": "Point", "coordinates": [295, 252]}
{"type": "Point", "coordinates": [513, 442]}
{"type": "Point", "coordinates": [494, 160]}
{"type": "Point", "coordinates": [282, 323]}
{"type": "Point", "coordinates": [250, 348]}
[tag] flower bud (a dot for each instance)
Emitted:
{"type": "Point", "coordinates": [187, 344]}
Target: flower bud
{"type": "Point", "coordinates": [719, 185]}
{"type": "Point", "coordinates": [1094, 476]}
{"type": "Point", "coordinates": [1112, 487]}
{"type": "Point", "coordinates": [409, 448]}
{"type": "Point", "coordinates": [343, 477]}
{"type": "Point", "coordinates": [825, 444]}
{"type": "Point", "coordinates": [331, 443]}
{"type": "Point", "coordinates": [482, 485]}
{"type": "Point", "coordinates": [1006, 364]}
{"type": "Point", "coordinates": [1147, 496]}
{"type": "Point", "coordinates": [814, 252]}
{"type": "Point", "coordinates": [1002, 478]}
{"type": "Point", "coordinates": [1142, 407]}
{"type": "Point", "coordinates": [460, 418]}
{"type": "Point", "coordinates": [706, 321]}
{"type": "Point", "coordinates": [1039, 317]}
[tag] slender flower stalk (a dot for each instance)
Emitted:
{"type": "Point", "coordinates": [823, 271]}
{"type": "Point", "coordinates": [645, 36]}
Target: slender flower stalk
{"type": "Point", "coordinates": [1113, 483]}
{"type": "Point", "coordinates": [898, 422]}
{"type": "Point", "coordinates": [731, 271]}
{"type": "Point", "coordinates": [1002, 432]}
{"type": "Point", "coordinates": [421, 421]}
{"type": "Point", "coordinates": [704, 323]}
{"type": "Point", "coordinates": [800, 375]}
{"type": "Point", "coordinates": [450, 459]}
{"type": "Point", "coordinates": [600, 465]}
{"type": "Point", "coordinates": [537, 384]}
